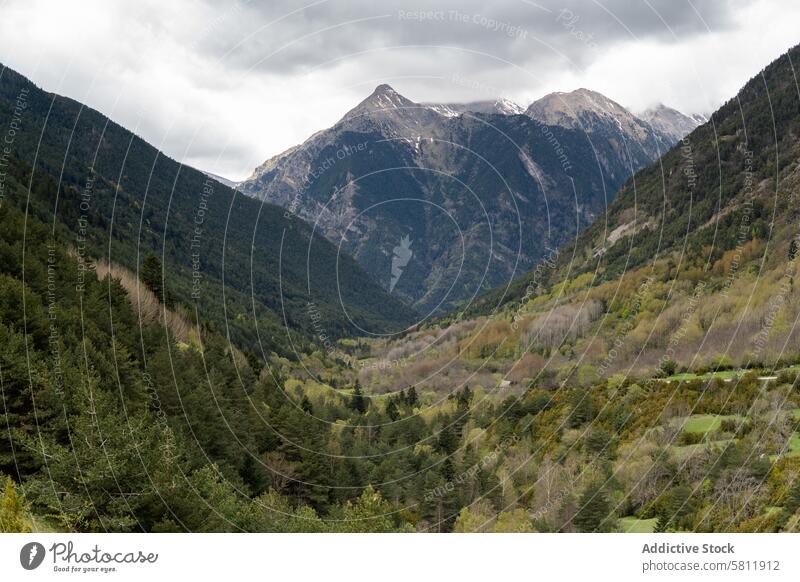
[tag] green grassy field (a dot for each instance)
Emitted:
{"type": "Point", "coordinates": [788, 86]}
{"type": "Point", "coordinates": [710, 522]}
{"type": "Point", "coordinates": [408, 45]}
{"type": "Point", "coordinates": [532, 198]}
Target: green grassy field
{"type": "Point", "coordinates": [703, 423]}
{"type": "Point", "coordinates": [635, 525]}
{"type": "Point", "coordinates": [721, 375]}
{"type": "Point", "coordinates": [724, 374]}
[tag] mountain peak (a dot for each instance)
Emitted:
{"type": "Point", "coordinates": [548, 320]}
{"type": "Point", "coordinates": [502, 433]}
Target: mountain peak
{"type": "Point", "coordinates": [594, 113]}
{"type": "Point", "coordinates": [386, 96]}
{"type": "Point", "coordinates": [583, 91]}
{"type": "Point", "coordinates": [508, 107]}
{"type": "Point", "coordinates": [657, 108]}
{"type": "Point", "coordinates": [384, 100]}
{"type": "Point", "coordinates": [555, 108]}
{"type": "Point", "coordinates": [384, 89]}
{"type": "Point", "coordinates": [671, 122]}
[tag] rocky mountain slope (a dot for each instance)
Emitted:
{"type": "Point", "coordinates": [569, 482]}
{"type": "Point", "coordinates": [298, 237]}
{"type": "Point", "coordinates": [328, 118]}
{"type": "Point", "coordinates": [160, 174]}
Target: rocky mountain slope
{"type": "Point", "coordinates": [480, 190]}
{"type": "Point", "coordinates": [603, 119]}
{"type": "Point", "coordinates": [499, 106]}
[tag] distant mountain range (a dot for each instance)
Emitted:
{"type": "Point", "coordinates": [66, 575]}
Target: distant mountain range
{"type": "Point", "coordinates": [481, 190]}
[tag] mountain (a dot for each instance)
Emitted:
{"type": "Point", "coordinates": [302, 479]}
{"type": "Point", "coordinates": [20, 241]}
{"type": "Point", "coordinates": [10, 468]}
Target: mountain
{"type": "Point", "coordinates": [671, 122]}
{"type": "Point", "coordinates": [736, 170]}
{"type": "Point", "coordinates": [655, 359]}
{"type": "Point", "coordinates": [696, 255]}
{"type": "Point", "coordinates": [480, 197]}
{"type": "Point", "coordinates": [602, 119]}
{"type": "Point", "coordinates": [238, 263]}
{"type": "Point", "coordinates": [643, 377]}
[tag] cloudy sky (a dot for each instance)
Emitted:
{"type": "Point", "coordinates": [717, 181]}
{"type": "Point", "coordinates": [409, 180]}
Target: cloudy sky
{"type": "Point", "coordinates": [222, 86]}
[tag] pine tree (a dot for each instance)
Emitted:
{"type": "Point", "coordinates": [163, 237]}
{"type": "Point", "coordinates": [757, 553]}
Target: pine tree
{"type": "Point", "coordinates": [792, 501]}
{"type": "Point", "coordinates": [593, 510]}
{"type": "Point", "coordinates": [306, 406]}
{"type": "Point", "coordinates": [358, 402]}
{"type": "Point", "coordinates": [669, 367]}
{"type": "Point", "coordinates": [151, 275]}
{"type": "Point", "coordinates": [448, 437]}
{"type": "Point", "coordinates": [582, 409]}
{"type": "Point", "coordinates": [392, 411]}
{"type": "Point", "coordinates": [411, 397]}
{"type": "Point", "coordinates": [464, 397]}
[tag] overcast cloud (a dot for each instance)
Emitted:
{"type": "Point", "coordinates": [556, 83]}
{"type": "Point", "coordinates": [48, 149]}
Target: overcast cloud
{"type": "Point", "coordinates": [224, 85]}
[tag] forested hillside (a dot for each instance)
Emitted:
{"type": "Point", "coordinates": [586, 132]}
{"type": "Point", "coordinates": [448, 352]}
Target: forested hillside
{"type": "Point", "coordinates": [115, 196]}
{"type": "Point", "coordinates": [723, 185]}
{"type": "Point", "coordinates": [110, 423]}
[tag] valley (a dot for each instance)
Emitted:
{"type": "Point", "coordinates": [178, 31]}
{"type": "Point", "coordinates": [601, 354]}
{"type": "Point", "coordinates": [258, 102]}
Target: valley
{"type": "Point", "coordinates": [627, 359]}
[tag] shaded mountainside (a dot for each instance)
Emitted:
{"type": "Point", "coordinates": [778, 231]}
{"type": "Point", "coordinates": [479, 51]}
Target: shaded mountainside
{"type": "Point", "coordinates": [479, 190]}
{"type": "Point", "coordinates": [103, 184]}
{"type": "Point", "coordinates": [115, 422]}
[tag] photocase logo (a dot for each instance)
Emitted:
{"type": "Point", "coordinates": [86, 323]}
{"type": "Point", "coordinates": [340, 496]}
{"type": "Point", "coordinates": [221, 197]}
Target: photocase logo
{"type": "Point", "coordinates": [31, 555]}
{"type": "Point", "coordinates": [402, 255]}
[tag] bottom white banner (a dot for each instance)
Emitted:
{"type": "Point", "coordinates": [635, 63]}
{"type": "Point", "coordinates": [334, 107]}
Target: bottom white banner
{"type": "Point", "coordinates": [355, 557]}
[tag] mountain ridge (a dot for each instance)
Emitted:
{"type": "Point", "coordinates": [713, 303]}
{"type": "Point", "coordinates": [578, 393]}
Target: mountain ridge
{"type": "Point", "coordinates": [404, 162]}
{"type": "Point", "coordinates": [662, 206]}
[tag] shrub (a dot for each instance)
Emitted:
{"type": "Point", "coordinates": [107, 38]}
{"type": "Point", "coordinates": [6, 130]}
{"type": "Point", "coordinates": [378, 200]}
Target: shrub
{"type": "Point", "coordinates": [690, 438]}
{"type": "Point", "coordinates": [13, 513]}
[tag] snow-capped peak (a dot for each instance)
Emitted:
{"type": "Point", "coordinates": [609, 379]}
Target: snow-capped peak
{"type": "Point", "coordinates": [502, 106]}
{"type": "Point", "coordinates": [508, 107]}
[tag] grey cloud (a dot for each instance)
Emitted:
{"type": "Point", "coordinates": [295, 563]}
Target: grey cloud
{"type": "Point", "coordinates": [227, 84]}
{"type": "Point", "coordinates": [515, 30]}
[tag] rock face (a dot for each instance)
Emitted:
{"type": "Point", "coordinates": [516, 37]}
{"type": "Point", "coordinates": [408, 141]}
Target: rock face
{"type": "Point", "coordinates": [671, 122]}
{"type": "Point", "coordinates": [473, 194]}
{"type": "Point", "coordinates": [603, 120]}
